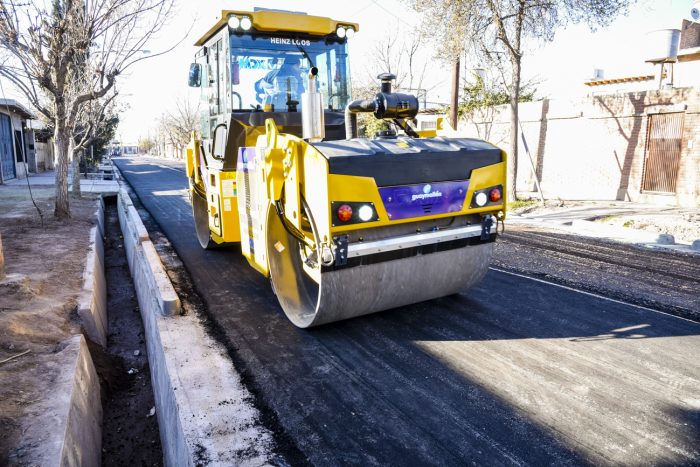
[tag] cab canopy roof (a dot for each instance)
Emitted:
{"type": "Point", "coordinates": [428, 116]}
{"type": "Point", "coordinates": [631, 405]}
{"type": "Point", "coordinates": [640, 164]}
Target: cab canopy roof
{"type": "Point", "coordinates": [280, 21]}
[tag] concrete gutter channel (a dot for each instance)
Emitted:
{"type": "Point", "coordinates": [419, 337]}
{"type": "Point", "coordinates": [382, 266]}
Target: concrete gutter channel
{"type": "Point", "coordinates": [205, 414]}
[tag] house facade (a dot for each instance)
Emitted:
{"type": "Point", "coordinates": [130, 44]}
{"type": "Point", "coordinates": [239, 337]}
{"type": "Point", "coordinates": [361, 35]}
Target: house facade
{"type": "Point", "coordinates": [17, 145]}
{"type": "Point", "coordinates": [634, 138]}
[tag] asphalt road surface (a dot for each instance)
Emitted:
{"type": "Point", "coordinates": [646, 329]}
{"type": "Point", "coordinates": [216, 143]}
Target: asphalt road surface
{"type": "Point", "coordinates": [515, 372]}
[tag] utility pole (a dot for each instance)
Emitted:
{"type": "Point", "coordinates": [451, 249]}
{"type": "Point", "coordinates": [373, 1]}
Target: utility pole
{"type": "Point", "coordinates": [455, 93]}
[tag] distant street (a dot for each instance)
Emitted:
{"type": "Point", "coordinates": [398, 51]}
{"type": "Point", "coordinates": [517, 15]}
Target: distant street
{"type": "Point", "coordinates": [516, 371]}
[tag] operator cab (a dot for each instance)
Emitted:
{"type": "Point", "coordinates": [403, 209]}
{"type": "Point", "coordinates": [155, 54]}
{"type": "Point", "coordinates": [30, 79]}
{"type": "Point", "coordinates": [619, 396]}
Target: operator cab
{"type": "Point", "coordinates": [254, 66]}
{"type": "Point", "coordinates": [269, 72]}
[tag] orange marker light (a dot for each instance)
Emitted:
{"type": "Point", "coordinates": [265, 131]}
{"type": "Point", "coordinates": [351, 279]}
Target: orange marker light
{"type": "Point", "coordinates": [345, 212]}
{"type": "Point", "coordinates": [494, 195]}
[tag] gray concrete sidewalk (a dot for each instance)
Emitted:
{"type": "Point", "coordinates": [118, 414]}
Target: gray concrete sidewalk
{"type": "Point", "coordinates": [48, 178]}
{"type": "Point", "coordinates": [591, 210]}
{"type": "Point", "coordinates": [653, 226]}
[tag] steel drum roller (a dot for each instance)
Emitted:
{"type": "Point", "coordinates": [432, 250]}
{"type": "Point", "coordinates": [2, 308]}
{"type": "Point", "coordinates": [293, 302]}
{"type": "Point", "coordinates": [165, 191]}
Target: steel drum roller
{"type": "Point", "coordinates": [361, 290]}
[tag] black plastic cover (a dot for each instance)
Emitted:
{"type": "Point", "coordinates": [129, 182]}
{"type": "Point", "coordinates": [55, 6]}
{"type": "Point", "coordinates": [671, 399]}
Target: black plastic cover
{"type": "Point", "coordinates": [406, 161]}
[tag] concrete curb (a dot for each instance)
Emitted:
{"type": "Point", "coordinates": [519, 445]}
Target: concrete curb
{"type": "Point", "coordinates": [204, 412]}
{"type": "Point", "coordinates": [82, 440]}
{"type": "Point", "coordinates": [92, 303]}
{"type": "Point", "coordinates": [70, 417]}
{"type": "Point", "coordinates": [137, 242]}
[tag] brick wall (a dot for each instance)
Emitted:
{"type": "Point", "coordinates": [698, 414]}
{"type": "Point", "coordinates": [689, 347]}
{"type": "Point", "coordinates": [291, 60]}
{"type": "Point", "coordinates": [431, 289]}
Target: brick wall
{"type": "Point", "coordinates": [594, 148]}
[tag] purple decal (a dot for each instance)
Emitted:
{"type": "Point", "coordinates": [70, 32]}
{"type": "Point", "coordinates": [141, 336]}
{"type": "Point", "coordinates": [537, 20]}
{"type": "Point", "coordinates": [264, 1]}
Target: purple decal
{"type": "Point", "coordinates": [425, 199]}
{"type": "Point", "coordinates": [246, 159]}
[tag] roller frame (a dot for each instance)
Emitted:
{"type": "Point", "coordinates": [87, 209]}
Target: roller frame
{"type": "Point", "coordinates": [357, 249]}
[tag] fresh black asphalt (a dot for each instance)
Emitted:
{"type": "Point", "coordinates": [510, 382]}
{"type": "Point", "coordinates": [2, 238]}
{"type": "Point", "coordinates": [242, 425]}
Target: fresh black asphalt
{"type": "Point", "coordinates": [514, 372]}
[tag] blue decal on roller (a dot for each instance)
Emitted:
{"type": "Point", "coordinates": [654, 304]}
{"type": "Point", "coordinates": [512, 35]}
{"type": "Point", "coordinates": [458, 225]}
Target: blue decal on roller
{"type": "Point", "coordinates": [425, 199]}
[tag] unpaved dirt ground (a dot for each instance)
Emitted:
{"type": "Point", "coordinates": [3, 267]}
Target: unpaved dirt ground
{"type": "Point", "coordinates": [39, 313]}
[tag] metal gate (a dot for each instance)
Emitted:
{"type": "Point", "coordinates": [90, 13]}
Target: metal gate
{"type": "Point", "coordinates": [7, 157]}
{"type": "Point", "coordinates": [663, 153]}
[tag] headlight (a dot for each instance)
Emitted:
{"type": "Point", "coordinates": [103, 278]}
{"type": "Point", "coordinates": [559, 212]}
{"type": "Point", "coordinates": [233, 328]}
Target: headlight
{"type": "Point", "coordinates": [352, 212]}
{"type": "Point", "coordinates": [340, 32]}
{"type": "Point", "coordinates": [349, 33]}
{"type": "Point", "coordinates": [491, 196]}
{"type": "Point", "coordinates": [246, 23]}
{"type": "Point", "coordinates": [234, 22]}
{"type": "Point", "coordinates": [365, 213]}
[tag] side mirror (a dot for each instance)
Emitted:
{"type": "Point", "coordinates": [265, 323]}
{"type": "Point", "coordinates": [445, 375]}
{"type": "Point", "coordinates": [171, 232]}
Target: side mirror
{"type": "Point", "coordinates": [195, 76]}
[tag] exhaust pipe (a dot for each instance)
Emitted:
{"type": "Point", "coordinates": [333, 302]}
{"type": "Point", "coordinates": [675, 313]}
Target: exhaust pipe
{"type": "Point", "coordinates": [351, 110]}
{"type": "Point", "coordinates": [385, 105]}
{"type": "Point", "coordinates": [312, 120]}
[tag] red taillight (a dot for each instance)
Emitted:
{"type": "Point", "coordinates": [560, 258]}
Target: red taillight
{"type": "Point", "coordinates": [344, 212]}
{"type": "Point", "coordinates": [495, 195]}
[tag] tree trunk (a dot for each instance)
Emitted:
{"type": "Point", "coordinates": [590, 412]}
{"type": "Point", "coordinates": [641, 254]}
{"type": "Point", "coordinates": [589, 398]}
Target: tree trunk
{"type": "Point", "coordinates": [60, 143]}
{"type": "Point", "coordinates": [512, 176]}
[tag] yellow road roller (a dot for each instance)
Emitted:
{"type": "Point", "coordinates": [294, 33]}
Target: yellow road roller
{"type": "Point", "coordinates": [344, 226]}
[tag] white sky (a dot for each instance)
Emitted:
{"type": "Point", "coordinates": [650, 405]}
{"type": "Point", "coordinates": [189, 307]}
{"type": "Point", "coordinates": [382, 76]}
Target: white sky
{"type": "Point", "coordinates": [153, 85]}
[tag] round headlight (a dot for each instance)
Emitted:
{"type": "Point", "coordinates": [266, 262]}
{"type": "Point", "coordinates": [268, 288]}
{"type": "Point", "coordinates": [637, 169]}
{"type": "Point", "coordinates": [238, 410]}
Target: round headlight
{"type": "Point", "coordinates": [365, 213]}
{"type": "Point", "coordinates": [480, 199]}
{"type": "Point", "coordinates": [349, 33]}
{"type": "Point", "coordinates": [340, 32]}
{"type": "Point", "coordinates": [246, 23]}
{"type": "Point", "coordinates": [234, 22]}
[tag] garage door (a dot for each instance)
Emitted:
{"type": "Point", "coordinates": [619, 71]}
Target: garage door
{"type": "Point", "coordinates": [6, 154]}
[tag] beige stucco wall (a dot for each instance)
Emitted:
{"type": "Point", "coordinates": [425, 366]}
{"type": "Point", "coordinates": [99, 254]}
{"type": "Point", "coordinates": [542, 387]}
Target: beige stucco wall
{"type": "Point", "coordinates": [594, 148]}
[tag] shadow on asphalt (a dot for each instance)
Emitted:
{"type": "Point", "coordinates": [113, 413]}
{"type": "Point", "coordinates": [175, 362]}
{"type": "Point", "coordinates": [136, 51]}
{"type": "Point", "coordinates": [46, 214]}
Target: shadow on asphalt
{"type": "Point", "coordinates": [514, 371]}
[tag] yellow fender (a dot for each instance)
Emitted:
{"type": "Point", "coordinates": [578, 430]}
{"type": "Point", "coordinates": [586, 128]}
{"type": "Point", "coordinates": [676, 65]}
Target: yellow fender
{"type": "Point", "coordinates": [192, 159]}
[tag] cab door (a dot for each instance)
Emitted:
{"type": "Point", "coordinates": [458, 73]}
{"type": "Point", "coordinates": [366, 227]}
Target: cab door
{"type": "Point", "coordinates": [218, 132]}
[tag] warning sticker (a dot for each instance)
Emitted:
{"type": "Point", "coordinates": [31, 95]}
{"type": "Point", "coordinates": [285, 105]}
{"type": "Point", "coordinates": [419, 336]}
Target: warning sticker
{"type": "Point", "coordinates": [229, 188]}
{"type": "Point", "coordinates": [227, 204]}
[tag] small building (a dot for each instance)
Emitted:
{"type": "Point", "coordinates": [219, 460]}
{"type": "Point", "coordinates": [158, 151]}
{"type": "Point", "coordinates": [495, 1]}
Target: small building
{"type": "Point", "coordinates": [44, 158]}
{"type": "Point", "coordinates": [16, 140]}
{"type": "Point", "coordinates": [130, 149]}
{"type": "Point", "coordinates": [117, 148]}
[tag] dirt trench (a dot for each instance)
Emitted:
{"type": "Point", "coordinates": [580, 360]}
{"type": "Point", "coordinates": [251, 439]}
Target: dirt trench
{"type": "Point", "coordinates": [130, 434]}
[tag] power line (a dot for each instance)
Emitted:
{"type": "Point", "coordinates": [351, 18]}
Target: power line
{"type": "Point", "coordinates": [393, 14]}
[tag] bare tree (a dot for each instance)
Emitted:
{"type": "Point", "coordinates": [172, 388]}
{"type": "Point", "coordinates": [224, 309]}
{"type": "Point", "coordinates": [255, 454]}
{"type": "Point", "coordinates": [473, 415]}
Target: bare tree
{"type": "Point", "coordinates": [405, 58]}
{"type": "Point", "coordinates": [69, 53]}
{"type": "Point", "coordinates": [497, 28]}
{"type": "Point", "coordinates": [177, 124]}
{"type": "Point", "coordinates": [89, 125]}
